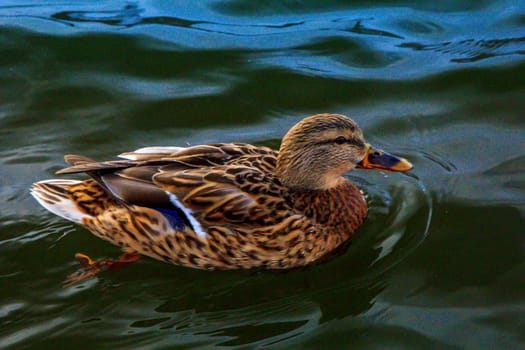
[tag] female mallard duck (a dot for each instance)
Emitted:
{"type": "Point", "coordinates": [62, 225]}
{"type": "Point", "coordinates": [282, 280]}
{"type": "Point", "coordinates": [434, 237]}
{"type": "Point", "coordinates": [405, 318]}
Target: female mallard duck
{"type": "Point", "coordinates": [224, 206]}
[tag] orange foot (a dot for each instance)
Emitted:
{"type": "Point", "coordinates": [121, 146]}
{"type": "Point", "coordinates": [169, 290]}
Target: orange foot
{"type": "Point", "coordinates": [91, 268]}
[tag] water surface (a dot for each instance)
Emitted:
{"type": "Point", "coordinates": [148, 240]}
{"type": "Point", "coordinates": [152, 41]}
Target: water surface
{"type": "Point", "coordinates": [440, 262]}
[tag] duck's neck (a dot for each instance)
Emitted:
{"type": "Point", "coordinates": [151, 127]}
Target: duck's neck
{"type": "Point", "coordinates": [341, 209]}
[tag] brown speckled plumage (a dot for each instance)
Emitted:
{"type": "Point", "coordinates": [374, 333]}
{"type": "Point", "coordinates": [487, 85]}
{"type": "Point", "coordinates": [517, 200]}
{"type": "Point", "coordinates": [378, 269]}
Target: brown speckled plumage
{"type": "Point", "coordinates": [241, 206]}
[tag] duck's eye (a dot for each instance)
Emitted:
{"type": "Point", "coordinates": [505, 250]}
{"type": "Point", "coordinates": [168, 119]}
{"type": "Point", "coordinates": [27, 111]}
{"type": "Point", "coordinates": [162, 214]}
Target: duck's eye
{"type": "Point", "coordinates": [340, 140]}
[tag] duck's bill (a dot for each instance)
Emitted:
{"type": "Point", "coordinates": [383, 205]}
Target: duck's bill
{"type": "Point", "coordinates": [381, 160]}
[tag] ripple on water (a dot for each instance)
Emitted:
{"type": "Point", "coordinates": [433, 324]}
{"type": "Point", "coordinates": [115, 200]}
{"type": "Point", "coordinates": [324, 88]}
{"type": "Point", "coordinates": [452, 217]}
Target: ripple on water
{"type": "Point", "coordinates": [400, 41]}
{"type": "Point", "coordinates": [398, 220]}
{"type": "Point", "coordinates": [32, 330]}
{"type": "Point", "coordinates": [472, 50]}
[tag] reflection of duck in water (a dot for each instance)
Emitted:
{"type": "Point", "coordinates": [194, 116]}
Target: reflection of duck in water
{"type": "Point", "coordinates": [224, 206]}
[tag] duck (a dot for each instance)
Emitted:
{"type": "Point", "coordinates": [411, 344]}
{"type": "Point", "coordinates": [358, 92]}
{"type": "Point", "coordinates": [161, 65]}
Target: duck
{"type": "Point", "coordinates": [223, 206]}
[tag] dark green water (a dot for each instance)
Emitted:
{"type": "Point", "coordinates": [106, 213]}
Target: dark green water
{"type": "Point", "coordinates": [440, 263]}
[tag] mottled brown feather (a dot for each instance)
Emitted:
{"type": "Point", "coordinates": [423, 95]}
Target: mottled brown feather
{"type": "Point", "coordinates": [250, 219]}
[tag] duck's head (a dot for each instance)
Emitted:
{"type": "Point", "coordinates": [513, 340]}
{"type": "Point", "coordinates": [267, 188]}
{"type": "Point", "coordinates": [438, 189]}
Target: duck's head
{"type": "Point", "coordinates": [318, 150]}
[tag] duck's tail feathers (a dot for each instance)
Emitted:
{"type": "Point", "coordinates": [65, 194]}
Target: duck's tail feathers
{"type": "Point", "coordinates": [53, 195]}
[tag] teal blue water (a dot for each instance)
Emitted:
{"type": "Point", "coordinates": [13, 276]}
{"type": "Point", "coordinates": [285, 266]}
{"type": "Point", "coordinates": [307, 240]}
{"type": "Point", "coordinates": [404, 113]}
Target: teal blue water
{"type": "Point", "coordinates": [440, 261]}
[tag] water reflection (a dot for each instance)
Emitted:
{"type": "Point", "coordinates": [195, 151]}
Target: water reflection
{"type": "Point", "coordinates": [472, 50]}
{"type": "Point", "coordinates": [385, 43]}
{"type": "Point", "coordinates": [129, 15]}
{"type": "Point", "coordinates": [359, 28]}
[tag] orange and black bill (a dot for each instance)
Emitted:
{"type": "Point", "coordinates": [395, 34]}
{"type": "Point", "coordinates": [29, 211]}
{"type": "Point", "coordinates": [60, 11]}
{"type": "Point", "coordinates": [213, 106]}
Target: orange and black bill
{"type": "Point", "coordinates": [381, 160]}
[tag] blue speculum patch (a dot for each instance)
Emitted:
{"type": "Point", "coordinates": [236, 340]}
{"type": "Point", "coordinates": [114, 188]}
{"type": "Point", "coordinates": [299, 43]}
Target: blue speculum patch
{"type": "Point", "coordinates": [174, 217]}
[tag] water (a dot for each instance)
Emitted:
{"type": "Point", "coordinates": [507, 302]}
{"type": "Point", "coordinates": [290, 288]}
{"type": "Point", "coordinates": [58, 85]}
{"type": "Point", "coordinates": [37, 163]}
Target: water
{"type": "Point", "coordinates": [440, 263]}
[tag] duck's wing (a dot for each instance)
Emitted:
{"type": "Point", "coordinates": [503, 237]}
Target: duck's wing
{"type": "Point", "coordinates": [233, 194]}
{"type": "Point", "coordinates": [187, 157]}
{"type": "Point", "coordinates": [211, 154]}
{"type": "Point", "coordinates": [216, 184]}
